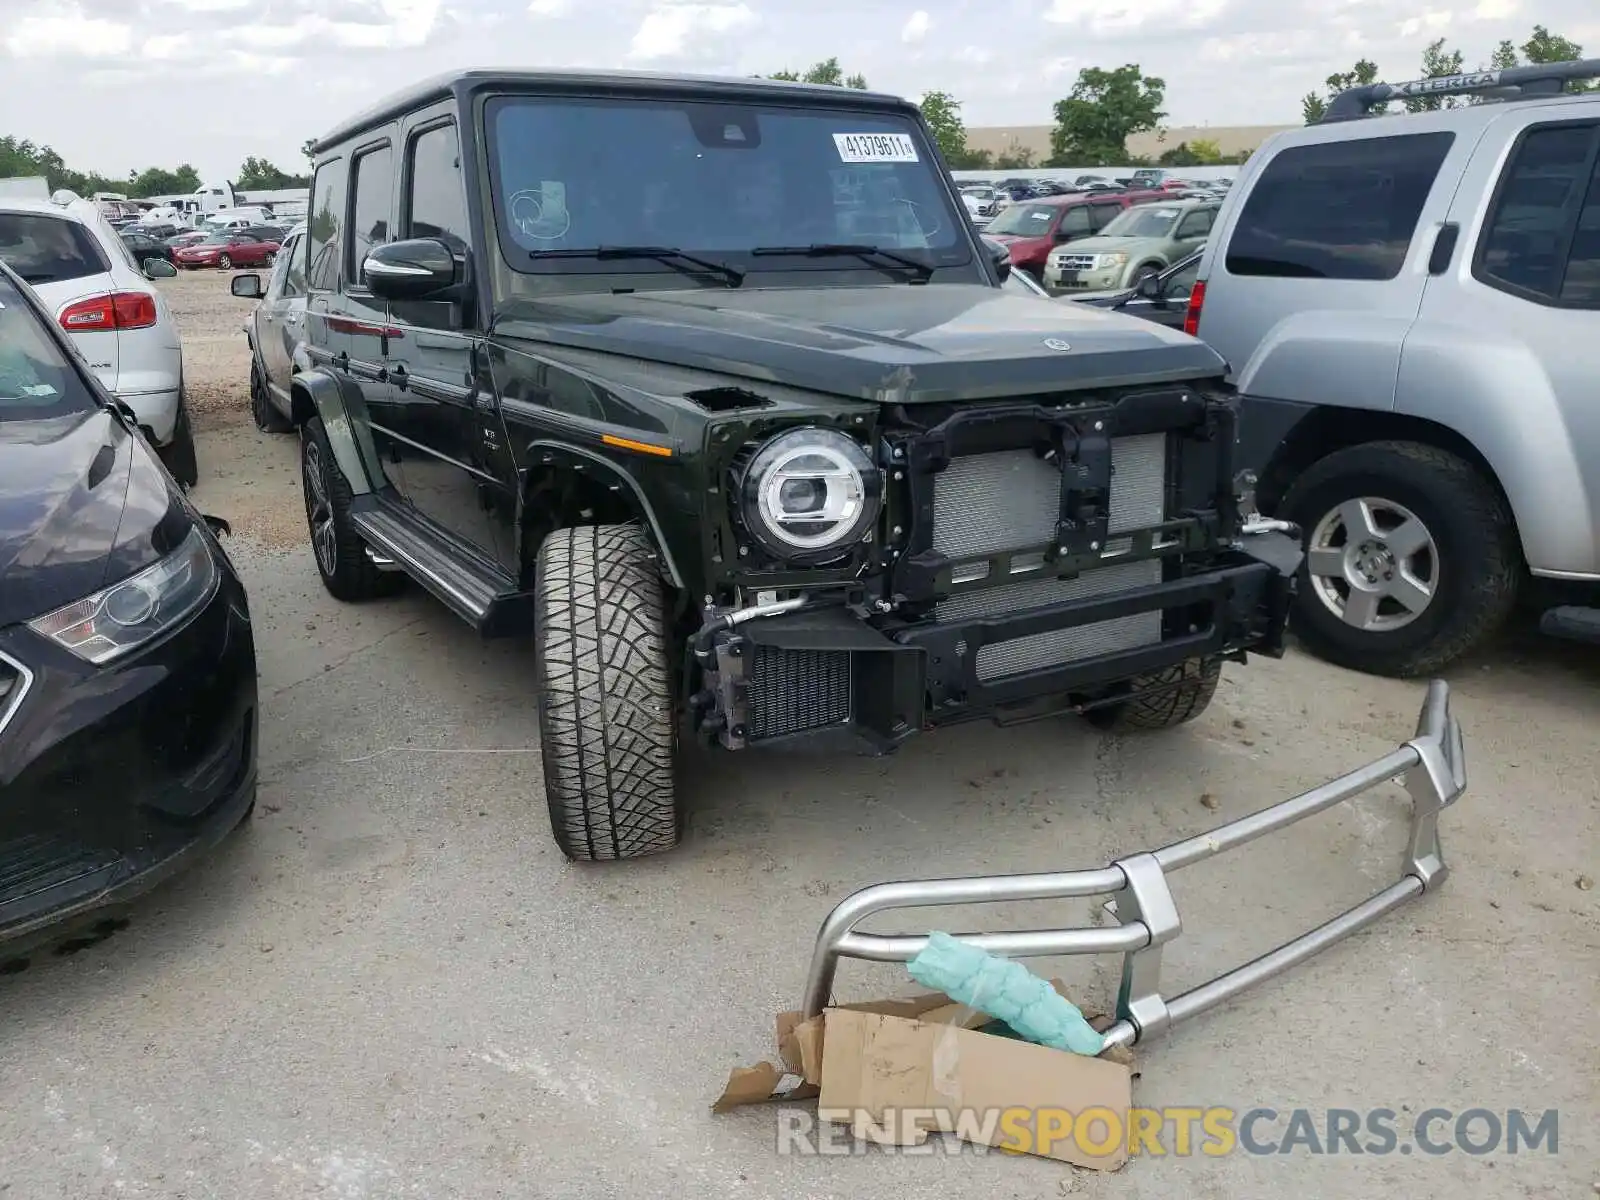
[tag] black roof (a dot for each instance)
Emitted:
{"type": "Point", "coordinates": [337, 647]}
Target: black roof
{"type": "Point", "coordinates": [460, 84]}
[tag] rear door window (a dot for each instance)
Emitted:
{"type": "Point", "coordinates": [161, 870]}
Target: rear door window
{"type": "Point", "coordinates": [1337, 210]}
{"type": "Point", "coordinates": [1074, 222]}
{"type": "Point", "coordinates": [1101, 215]}
{"type": "Point", "coordinates": [46, 249]}
{"type": "Point", "coordinates": [1542, 238]}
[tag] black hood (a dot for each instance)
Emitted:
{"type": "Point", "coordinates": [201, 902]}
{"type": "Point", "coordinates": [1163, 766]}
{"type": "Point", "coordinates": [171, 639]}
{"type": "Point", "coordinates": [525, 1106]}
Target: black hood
{"type": "Point", "coordinates": [83, 503]}
{"type": "Point", "coordinates": [897, 343]}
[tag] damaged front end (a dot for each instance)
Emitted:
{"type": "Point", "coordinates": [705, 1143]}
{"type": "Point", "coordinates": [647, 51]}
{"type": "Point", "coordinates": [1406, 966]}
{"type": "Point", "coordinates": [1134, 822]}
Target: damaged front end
{"type": "Point", "coordinates": [1008, 560]}
{"type": "Point", "coordinates": [1433, 765]}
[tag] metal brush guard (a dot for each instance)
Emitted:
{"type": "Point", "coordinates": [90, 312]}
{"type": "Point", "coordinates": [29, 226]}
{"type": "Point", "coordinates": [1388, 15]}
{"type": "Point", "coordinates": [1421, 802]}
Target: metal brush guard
{"type": "Point", "coordinates": [1434, 767]}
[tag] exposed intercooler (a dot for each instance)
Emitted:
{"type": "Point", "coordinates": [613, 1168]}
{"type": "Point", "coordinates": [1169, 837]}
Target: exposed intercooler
{"type": "Point", "coordinates": [1011, 500]}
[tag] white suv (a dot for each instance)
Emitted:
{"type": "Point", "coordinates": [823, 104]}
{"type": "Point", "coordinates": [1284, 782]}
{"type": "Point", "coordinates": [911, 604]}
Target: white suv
{"type": "Point", "coordinates": [85, 275]}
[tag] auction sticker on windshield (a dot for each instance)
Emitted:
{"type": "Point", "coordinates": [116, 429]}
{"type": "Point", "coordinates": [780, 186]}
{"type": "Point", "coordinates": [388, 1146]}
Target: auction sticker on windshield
{"type": "Point", "coordinates": [875, 147]}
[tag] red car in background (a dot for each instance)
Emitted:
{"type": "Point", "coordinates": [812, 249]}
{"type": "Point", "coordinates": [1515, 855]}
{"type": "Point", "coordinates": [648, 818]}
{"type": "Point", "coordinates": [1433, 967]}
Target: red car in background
{"type": "Point", "coordinates": [227, 250]}
{"type": "Point", "coordinates": [1030, 229]}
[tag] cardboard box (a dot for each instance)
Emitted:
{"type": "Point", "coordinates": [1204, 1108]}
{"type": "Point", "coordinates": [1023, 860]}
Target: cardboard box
{"type": "Point", "coordinates": [895, 1070]}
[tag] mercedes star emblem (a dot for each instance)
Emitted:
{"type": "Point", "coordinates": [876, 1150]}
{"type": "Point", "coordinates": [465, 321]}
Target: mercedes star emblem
{"type": "Point", "coordinates": [1057, 344]}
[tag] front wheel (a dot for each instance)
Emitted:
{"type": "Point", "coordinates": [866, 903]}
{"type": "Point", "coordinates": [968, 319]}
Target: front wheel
{"type": "Point", "coordinates": [225, 262]}
{"type": "Point", "coordinates": [606, 728]}
{"type": "Point", "coordinates": [1147, 271]}
{"type": "Point", "coordinates": [1412, 558]}
{"type": "Point", "coordinates": [341, 555]}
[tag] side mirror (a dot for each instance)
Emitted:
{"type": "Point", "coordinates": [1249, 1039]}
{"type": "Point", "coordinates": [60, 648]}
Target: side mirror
{"type": "Point", "coordinates": [159, 268]}
{"type": "Point", "coordinates": [410, 270]}
{"type": "Point", "coordinates": [246, 287]}
{"type": "Point", "coordinates": [1000, 256]}
{"type": "Point", "coordinates": [1150, 287]}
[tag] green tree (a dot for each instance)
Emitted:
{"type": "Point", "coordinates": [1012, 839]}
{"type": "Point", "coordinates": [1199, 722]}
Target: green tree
{"type": "Point", "coordinates": [828, 71]}
{"type": "Point", "coordinates": [1181, 155]}
{"type": "Point", "coordinates": [1104, 109]}
{"type": "Point", "coordinates": [1313, 107]}
{"type": "Point", "coordinates": [1019, 158]}
{"type": "Point", "coordinates": [1437, 61]}
{"type": "Point", "coordinates": [942, 112]}
{"type": "Point", "coordinates": [257, 174]}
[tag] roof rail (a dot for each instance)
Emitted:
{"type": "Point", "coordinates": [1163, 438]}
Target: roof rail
{"type": "Point", "coordinates": [1513, 83]}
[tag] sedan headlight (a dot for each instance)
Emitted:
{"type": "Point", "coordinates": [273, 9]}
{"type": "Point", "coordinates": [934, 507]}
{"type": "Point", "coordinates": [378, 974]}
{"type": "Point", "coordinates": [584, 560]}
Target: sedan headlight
{"type": "Point", "coordinates": [1104, 261]}
{"type": "Point", "coordinates": [126, 615]}
{"type": "Point", "coordinates": [809, 494]}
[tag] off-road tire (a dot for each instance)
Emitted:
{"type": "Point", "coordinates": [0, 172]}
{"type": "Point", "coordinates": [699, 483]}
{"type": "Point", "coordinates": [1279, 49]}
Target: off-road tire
{"type": "Point", "coordinates": [606, 727]}
{"type": "Point", "coordinates": [1175, 695]}
{"type": "Point", "coordinates": [354, 577]}
{"type": "Point", "coordinates": [179, 454]}
{"type": "Point", "coordinates": [1480, 568]}
{"type": "Point", "coordinates": [266, 416]}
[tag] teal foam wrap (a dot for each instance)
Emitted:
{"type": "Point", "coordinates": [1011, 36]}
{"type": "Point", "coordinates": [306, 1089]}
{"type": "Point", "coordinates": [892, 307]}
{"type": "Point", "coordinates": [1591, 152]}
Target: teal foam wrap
{"type": "Point", "coordinates": [1006, 990]}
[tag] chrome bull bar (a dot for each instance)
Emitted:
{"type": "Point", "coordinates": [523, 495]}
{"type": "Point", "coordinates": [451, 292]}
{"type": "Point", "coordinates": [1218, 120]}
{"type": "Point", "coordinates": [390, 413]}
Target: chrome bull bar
{"type": "Point", "coordinates": [1434, 766]}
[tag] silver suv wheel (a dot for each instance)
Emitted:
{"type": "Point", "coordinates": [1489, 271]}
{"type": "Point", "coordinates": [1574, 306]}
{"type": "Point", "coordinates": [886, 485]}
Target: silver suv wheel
{"type": "Point", "coordinates": [1373, 564]}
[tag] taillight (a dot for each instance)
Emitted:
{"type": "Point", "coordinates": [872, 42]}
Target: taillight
{"type": "Point", "coordinates": [119, 310]}
{"type": "Point", "coordinates": [1191, 317]}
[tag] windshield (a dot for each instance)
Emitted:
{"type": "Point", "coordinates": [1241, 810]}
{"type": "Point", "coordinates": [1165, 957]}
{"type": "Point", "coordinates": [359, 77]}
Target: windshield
{"type": "Point", "coordinates": [1149, 220]}
{"type": "Point", "coordinates": [36, 380]}
{"type": "Point", "coordinates": [1026, 220]}
{"type": "Point", "coordinates": [712, 179]}
{"type": "Point", "coordinates": [46, 249]}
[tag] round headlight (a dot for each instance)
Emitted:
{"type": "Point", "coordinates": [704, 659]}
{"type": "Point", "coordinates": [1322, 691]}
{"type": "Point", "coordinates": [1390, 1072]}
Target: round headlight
{"type": "Point", "coordinates": [809, 494]}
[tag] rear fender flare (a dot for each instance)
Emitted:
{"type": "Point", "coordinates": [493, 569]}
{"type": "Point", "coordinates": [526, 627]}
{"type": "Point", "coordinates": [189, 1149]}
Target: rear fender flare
{"type": "Point", "coordinates": [317, 393]}
{"type": "Point", "coordinates": [552, 453]}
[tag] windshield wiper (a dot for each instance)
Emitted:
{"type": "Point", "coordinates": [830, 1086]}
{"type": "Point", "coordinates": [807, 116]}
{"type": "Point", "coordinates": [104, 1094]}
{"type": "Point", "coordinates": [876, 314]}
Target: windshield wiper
{"type": "Point", "coordinates": [678, 260]}
{"type": "Point", "coordinates": [923, 270]}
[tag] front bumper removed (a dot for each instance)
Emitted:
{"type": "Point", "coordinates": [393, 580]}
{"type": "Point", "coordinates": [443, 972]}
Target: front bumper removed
{"type": "Point", "coordinates": [1433, 764]}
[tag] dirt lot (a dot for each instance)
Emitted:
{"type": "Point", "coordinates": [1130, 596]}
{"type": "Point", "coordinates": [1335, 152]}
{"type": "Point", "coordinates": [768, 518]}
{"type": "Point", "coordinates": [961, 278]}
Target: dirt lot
{"type": "Point", "coordinates": [392, 984]}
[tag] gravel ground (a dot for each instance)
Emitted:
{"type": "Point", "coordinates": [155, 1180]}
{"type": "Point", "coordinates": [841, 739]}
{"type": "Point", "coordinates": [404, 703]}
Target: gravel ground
{"type": "Point", "coordinates": [391, 984]}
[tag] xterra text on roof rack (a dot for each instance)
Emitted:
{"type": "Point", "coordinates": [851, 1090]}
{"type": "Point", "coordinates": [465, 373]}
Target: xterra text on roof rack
{"type": "Point", "coordinates": [711, 387]}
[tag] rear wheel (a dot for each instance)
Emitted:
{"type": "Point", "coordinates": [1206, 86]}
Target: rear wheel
{"type": "Point", "coordinates": [1162, 699]}
{"type": "Point", "coordinates": [341, 555]}
{"type": "Point", "coordinates": [606, 728]}
{"type": "Point", "coordinates": [265, 414]}
{"type": "Point", "coordinates": [1412, 558]}
{"type": "Point", "coordinates": [179, 454]}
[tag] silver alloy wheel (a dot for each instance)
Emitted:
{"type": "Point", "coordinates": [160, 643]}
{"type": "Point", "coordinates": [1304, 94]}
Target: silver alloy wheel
{"type": "Point", "coordinates": [1373, 564]}
{"type": "Point", "coordinates": [324, 540]}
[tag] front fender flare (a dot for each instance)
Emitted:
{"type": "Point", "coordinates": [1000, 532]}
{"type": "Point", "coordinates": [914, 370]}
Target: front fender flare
{"type": "Point", "coordinates": [549, 452]}
{"type": "Point", "coordinates": [343, 419]}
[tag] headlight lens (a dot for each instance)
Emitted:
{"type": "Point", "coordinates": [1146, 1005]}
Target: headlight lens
{"type": "Point", "coordinates": [1111, 260]}
{"type": "Point", "coordinates": [123, 617]}
{"type": "Point", "coordinates": [808, 494]}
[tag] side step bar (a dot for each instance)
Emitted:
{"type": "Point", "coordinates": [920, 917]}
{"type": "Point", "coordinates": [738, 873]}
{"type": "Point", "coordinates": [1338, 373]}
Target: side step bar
{"type": "Point", "coordinates": [475, 590]}
{"type": "Point", "coordinates": [1433, 764]}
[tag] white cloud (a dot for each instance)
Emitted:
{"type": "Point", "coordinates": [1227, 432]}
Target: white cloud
{"type": "Point", "coordinates": [1122, 16]}
{"type": "Point", "coordinates": [550, 8]}
{"type": "Point", "coordinates": [1432, 21]}
{"type": "Point", "coordinates": [1495, 10]}
{"type": "Point", "coordinates": [916, 27]}
{"type": "Point", "coordinates": [68, 32]}
{"type": "Point", "coordinates": [681, 30]}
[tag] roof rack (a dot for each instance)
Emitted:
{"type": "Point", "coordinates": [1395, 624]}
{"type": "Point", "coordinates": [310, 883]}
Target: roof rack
{"type": "Point", "coordinates": [1513, 83]}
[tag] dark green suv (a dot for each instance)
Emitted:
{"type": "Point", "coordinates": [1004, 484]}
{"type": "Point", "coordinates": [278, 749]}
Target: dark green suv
{"type": "Point", "coordinates": [711, 387]}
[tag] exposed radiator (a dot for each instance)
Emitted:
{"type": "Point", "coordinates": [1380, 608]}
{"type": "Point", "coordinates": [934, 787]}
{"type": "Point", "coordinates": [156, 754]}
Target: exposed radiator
{"type": "Point", "coordinates": [1010, 500]}
{"type": "Point", "coordinates": [795, 690]}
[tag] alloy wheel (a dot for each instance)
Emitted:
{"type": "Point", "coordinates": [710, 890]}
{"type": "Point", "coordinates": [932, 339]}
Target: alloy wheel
{"type": "Point", "coordinates": [1373, 564]}
{"type": "Point", "coordinates": [319, 512]}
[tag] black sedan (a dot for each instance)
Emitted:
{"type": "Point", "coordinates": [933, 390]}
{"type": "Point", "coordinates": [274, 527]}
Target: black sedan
{"type": "Point", "coordinates": [145, 246]}
{"type": "Point", "coordinates": [1162, 298]}
{"type": "Point", "coordinates": [127, 662]}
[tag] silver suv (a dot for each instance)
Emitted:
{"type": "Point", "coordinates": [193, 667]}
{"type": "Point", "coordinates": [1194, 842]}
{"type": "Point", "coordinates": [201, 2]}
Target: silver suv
{"type": "Point", "coordinates": [1410, 307]}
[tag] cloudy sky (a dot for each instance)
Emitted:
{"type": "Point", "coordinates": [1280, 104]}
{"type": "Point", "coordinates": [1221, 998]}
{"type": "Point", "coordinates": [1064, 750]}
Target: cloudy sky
{"type": "Point", "coordinates": [120, 84]}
